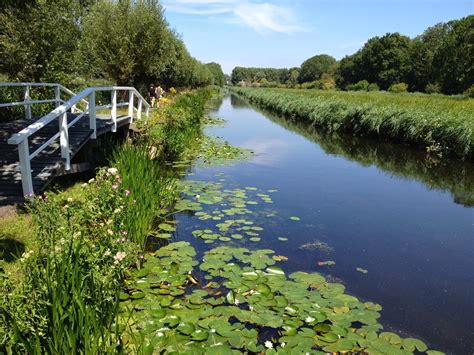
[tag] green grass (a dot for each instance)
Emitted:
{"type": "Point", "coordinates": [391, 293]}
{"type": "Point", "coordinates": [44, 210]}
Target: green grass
{"type": "Point", "coordinates": [435, 122]}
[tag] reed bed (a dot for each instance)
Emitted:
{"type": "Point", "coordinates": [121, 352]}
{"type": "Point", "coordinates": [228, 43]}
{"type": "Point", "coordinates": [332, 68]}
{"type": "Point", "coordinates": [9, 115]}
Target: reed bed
{"type": "Point", "coordinates": [440, 124]}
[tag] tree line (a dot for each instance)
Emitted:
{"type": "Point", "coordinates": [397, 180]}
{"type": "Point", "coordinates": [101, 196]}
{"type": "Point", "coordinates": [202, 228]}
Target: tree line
{"type": "Point", "coordinates": [441, 60]}
{"type": "Point", "coordinates": [127, 42]}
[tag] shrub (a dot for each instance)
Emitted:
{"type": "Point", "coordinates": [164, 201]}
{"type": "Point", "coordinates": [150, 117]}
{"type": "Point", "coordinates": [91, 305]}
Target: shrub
{"type": "Point", "coordinates": [373, 87]}
{"type": "Point", "coordinates": [398, 88]}
{"type": "Point", "coordinates": [433, 88]}
{"type": "Point", "coordinates": [469, 92]}
{"type": "Point", "coordinates": [359, 86]}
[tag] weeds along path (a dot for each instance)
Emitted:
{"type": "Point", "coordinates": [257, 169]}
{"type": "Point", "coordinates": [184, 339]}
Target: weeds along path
{"type": "Point", "coordinates": [439, 124]}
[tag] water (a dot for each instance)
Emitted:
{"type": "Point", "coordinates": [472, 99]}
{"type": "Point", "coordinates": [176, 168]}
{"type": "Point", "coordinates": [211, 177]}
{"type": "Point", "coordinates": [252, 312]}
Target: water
{"type": "Point", "coordinates": [407, 219]}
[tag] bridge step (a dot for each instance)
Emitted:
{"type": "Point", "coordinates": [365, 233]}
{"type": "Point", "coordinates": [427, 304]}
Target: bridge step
{"type": "Point", "coordinates": [47, 164]}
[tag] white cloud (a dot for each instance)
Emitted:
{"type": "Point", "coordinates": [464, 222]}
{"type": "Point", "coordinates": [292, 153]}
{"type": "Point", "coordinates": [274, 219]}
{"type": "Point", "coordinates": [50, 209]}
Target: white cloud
{"type": "Point", "coordinates": [262, 17]}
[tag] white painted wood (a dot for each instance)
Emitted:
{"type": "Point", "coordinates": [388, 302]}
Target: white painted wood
{"type": "Point", "coordinates": [64, 140]}
{"type": "Point", "coordinates": [25, 168]}
{"type": "Point", "coordinates": [26, 92]}
{"type": "Point", "coordinates": [92, 115]}
{"type": "Point", "coordinates": [57, 95]}
{"type": "Point", "coordinates": [130, 105]}
{"type": "Point", "coordinates": [114, 110]}
{"type": "Point", "coordinates": [139, 110]}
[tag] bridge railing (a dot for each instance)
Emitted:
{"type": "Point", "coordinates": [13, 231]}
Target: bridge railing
{"type": "Point", "coordinates": [21, 139]}
{"type": "Point", "coordinates": [28, 102]}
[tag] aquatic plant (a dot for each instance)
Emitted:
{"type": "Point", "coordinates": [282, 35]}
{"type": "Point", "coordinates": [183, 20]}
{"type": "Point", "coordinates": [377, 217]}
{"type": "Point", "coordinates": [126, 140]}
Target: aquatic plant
{"type": "Point", "coordinates": [418, 119]}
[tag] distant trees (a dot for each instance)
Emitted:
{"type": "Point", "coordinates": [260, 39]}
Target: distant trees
{"type": "Point", "coordinates": [313, 68]}
{"type": "Point", "coordinates": [441, 60]}
{"type": "Point", "coordinates": [128, 42]}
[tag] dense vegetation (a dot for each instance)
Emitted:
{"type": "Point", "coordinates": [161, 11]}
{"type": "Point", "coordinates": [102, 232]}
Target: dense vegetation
{"type": "Point", "coordinates": [72, 42]}
{"type": "Point", "coordinates": [439, 124]}
{"type": "Point", "coordinates": [438, 61]}
{"type": "Point", "coordinates": [66, 296]}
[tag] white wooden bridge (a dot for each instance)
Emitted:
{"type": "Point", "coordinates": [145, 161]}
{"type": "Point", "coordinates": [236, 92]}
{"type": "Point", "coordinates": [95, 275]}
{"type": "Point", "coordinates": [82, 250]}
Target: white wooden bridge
{"type": "Point", "coordinates": [35, 150]}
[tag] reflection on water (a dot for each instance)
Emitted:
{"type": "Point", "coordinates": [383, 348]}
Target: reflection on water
{"type": "Point", "coordinates": [453, 176]}
{"type": "Point", "coordinates": [385, 208]}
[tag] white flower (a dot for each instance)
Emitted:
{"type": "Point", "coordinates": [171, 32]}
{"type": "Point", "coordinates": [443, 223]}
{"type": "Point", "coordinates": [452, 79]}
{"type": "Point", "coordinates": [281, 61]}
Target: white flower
{"type": "Point", "coordinates": [91, 181]}
{"type": "Point", "coordinates": [268, 344]}
{"type": "Point", "coordinates": [120, 256]}
{"type": "Point", "coordinates": [70, 199]}
{"type": "Point", "coordinates": [110, 231]}
{"type": "Point", "coordinates": [197, 196]}
{"type": "Point", "coordinates": [282, 345]}
{"type": "Point", "coordinates": [107, 252]}
{"type": "Point", "coordinates": [236, 302]}
{"type": "Point", "coordinates": [159, 334]}
{"type": "Point", "coordinates": [112, 171]}
{"type": "Point", "coordinates": [309, 319]}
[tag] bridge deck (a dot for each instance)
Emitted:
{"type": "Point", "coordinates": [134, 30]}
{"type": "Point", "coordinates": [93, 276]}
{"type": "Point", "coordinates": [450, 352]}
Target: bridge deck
{"type": "Point", "coordinates": [48, 164]}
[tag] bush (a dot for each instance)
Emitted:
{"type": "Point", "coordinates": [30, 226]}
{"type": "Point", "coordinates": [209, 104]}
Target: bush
{"type": "Point", "coordinates": [398, 88]}
{"type": "Point", "coordinates": [362, 85]}
{"type": "Point", "coordinates": [469, 92]}
{"type": "Point", "coordinates": [433, 88]}
{"type": "Point", "coordinates": [373, 87]}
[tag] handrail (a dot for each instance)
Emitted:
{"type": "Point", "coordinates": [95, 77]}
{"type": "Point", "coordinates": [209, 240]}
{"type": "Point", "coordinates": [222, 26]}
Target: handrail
{"type": "Point", "coordinates": [27, 102]}
{"type": "Point", "coordinates": [21, 138]}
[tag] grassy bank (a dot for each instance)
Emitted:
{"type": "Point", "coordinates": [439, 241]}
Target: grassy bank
{"type": "Point", "coordinates": [62, 294]}
{"type": "Point", "coordinates": [439, 124]}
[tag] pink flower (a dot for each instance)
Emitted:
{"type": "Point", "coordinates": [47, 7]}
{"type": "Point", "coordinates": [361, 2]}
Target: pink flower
{"type": "Point", "coordinates": [115, 187]}
{"type": "Point", "coordinates": [127, 192]}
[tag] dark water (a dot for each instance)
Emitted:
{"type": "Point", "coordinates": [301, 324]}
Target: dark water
{"type": "Point", "coordinates": [406, 218]}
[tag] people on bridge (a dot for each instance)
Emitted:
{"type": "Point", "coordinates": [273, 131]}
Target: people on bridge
{"type": "Point", "coordinates": [159, 93]}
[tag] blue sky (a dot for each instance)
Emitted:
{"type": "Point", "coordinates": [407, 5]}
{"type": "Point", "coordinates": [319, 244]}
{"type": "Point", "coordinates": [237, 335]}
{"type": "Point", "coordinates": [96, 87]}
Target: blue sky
{"type": "Point", "coordinates": [283, 33]}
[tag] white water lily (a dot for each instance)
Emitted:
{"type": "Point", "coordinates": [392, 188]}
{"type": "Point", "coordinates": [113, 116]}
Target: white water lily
{"type": "Point", "coordinates": [268, 344]}
{"type": "Point", "coordinates": [309, 319]}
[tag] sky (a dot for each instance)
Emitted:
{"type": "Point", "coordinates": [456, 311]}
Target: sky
{"type": "Point", "coordinates": [284, 33]}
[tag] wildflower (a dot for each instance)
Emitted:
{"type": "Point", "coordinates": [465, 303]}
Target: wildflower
{"type": "Point", "coordinates": [127, 192]}
{"type": "Point", "coordinates": [123, 239]}
{"type": "Point", "coordinates": [120, 256]}
{"type": "Point", "coordinates": [112, 171]}
{"type": "Point", "coordinates": [268, 344]}
{"type": "Point", "coordinates": [123, 232]}
{"type": "Point", "coordinates": [115, 187]}
{"type": "Point", "coordinates": [107, 252]}
{"type": "Point", "coordinates": [110, 232]}
{"type": "Point", "coordinates": [70, 199]}
{"type": "Point", "coordinates": [142, 257]}
{"type": "Point", "coordinates": [84, 184]}
{"type": "Point", "coordinates": [134, 202]}
{"type": "Point", "coordinates": [118, 210]}
{"type": "Point", "coordinates": [91, 181]}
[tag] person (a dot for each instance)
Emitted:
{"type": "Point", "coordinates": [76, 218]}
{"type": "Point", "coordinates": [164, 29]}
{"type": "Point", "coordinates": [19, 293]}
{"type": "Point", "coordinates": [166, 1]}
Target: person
{"type": "Point", "coordinates": [159, 93]}
{"type": "Point", "coordinates": [152, 95]}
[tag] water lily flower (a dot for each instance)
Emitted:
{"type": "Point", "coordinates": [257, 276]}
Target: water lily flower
{"type": "Point", "coordinates": [268, 344]}
{"type": "Point", "coordinates": [112, 171]}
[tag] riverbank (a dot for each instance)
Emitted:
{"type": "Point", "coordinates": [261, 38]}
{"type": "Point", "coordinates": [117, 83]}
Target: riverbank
{"type": "Point", "coordinates": [441, 125]}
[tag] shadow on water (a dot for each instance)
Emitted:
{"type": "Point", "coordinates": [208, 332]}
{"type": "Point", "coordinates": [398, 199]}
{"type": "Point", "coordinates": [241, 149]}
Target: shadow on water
{"type": "Point", "coordinates": [449, 175]}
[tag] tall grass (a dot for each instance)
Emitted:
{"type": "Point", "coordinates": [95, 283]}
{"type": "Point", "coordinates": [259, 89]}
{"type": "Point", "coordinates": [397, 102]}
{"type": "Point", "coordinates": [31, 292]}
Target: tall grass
{"type": "Point", "coordinates": [437, 123]}
{"type": "Point", "coordinates": [148, 190]}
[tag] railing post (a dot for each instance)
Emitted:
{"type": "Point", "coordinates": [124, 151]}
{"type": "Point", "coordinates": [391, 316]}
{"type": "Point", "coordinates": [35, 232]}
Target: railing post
{"type": "Point", "coordinates": [64, 140]}
{"type": "Point", "coordinates": [26, 91]}
{"type": "Point", "coordinates": [57, 95]}
{"type": "Point", "coordinates": [92, 115]}
{"type": "Point", "coordinates": [139, 109]}
{"type": "Point", "coordinates": [130, 105]}
{"type": "Point", "coordinates": [25, 168]}
{"type": "Point", "coordinates": [114, 110]}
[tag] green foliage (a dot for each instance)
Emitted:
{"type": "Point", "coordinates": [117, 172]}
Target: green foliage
{"type": "Point", "coordinates": [433, 88]}
{"type": "Point", "coordinates": [442, 54]}
{"type": "Point", "coordinates": [422, 120]}
{"type": "Point", "coordinates": [244, 303]}
{"type": "Point", "coordinates": [469, 92]}
{"type": "Point", "coordinates": [241, 74]}
{"type": "Point", "coordinates": [217, 74]}
{"type": "Point", "coordinates": [313, 68]}
{"type": "Point", "coordinates": [398, 88]}
{"type": "Point", "coordinates": [362, 85]}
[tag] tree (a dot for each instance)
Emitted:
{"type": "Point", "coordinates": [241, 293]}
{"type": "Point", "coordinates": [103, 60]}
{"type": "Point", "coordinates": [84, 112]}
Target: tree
{"type": "Point", "coordinates": [39, 40]}
{"type": "Point", "coordinates": [313, 68]}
